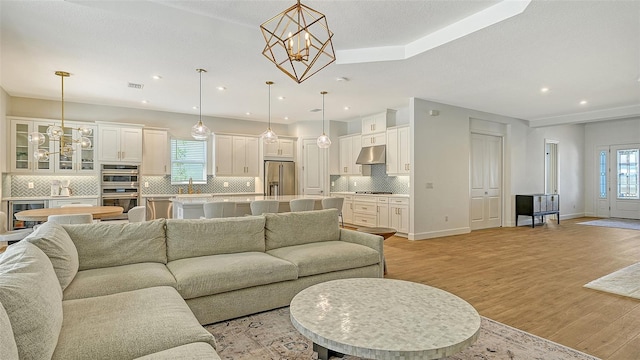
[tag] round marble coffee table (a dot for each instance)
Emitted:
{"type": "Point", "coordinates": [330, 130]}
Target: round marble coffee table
{"type": "Point", "coordinates": [384, 319]}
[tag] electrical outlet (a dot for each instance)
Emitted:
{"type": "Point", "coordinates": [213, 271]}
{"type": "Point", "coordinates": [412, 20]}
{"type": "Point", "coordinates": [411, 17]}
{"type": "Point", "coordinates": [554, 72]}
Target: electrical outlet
{"type": "Point", "coordinates": [333, 183]}
{"type": "Point", "coordinates": [355, 183]}
{"type": "Point", "coordinates": [30, 185]}
{"type": "Point", "coordinates": [225, 184]}
{"type": "Point", "coordinates": [248, 183]}
{"type": "Point", "coordinates": [146, 184]}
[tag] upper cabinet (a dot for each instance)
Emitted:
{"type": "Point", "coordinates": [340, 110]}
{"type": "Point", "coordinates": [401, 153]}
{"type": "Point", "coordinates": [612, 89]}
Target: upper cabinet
{"type": "Point", "coordinates": [119, 143]}
{"type": "Point", "coordinates": [281, 149]}
{"type": "Point", "coordinates": [236, 155]}
{"type": "Point", "coordinates": [377, 123]}
{"type": "Point", "coordinates": [398, 151]}
{"type": "Point", "coordinates": [22, 153]}
{"type": "Point", "coordinates": [155, 152]}
{"type": "Point", "coordinates": [350, 147]}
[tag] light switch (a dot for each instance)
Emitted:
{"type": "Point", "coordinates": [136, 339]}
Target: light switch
{"type": "Point", "coordinates": [225, 184]}
{"type": "Point", "coordinates": [248, 183]}
{"type": "Point", "coordinates": [30, 185]}
{"type": "Point", "coordinates": [146, 184]}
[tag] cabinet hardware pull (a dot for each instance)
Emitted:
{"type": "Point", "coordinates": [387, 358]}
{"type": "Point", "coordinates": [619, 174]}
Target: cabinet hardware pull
{"type": "Point", "coordinates": [123, 155]}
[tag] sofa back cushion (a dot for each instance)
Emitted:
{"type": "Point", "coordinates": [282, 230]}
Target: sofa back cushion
{"type": "Point", "coordinates": [297, 228]}
{"type": "Point", "coordinates": [54, 241]}
{"type": "Point", "coordinates": [31, 295]}
{"type": "Point", "coordinates": [104, 245]}
{"type": "Point", "coordinates": [190, 238]}
{"type": "Point", "coordinates": [8, 347]}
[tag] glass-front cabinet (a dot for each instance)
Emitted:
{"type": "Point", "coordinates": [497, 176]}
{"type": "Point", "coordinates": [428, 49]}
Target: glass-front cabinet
{"type": "Point", "coordinates": [23, 160]}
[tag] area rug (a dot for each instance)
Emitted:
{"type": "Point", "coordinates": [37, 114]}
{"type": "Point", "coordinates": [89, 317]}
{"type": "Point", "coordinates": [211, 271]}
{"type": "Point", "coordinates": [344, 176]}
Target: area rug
{"type": "Point", "coordinates": [625, 282]}
{"type": "Point", "coordinates": [270, 335]}
{"type": "Point", "coordinates": [615, 223]}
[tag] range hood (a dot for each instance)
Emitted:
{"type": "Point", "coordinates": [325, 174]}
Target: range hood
{"type": "Point", "coordinates": [371, 155]}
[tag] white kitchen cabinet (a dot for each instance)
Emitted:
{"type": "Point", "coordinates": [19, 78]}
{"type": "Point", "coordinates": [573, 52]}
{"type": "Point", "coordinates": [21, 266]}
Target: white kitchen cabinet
{"type": "Point", "coordinates": [399, 214]}
{"type": "Point", "coordinates": [155, 152]}
{"type": "Point", "coordinates": [56, 203]}
{"type": "Point", "coordinates": [398, 151]}
{"type": "Point", "coordinates": [236, 155]}
{"type": "Point", "coordinates": [382, 211]}
{"type": "Point", "coordinates": [374, 123]}
{"type": "Point", "coordinates": [281, 149]}
{"type": "Point", "coordinates": [119, 144]}
{"type": "Point", "coordinates": [365, 211]}
{"type": "Point", "coordinates": [22, 153]}
{"type": "Point", "coordinates": [350, 147]}
{"type": "Point", "coordinates": [374, 139]}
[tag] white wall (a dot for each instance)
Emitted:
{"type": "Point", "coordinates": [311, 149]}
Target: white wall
{"type": "Point", "coordinates": [441, 156]}
{"type": "Point", "coordinates": [606, 133]}
{"type": "Point", "coordinates": [4, 130]}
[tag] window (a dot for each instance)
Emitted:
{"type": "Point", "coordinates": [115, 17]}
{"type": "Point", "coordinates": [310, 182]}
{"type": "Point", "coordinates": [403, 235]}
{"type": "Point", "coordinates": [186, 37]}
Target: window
{"type": "Point", "coordinates": [628, 174]}
{"type": "Point", "coordinates": [188, 161]}
{"type": "Point", "coordinates": [603, 174]}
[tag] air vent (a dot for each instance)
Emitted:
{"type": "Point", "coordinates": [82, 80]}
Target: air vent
{"type": "Point", "coordinates": [136, 86]}
{"type": "Point", "coordinates": [315, 110]}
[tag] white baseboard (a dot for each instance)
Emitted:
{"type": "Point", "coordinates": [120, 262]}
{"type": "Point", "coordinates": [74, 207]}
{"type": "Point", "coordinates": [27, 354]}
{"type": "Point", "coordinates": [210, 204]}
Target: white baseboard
{"type": "Point", "coordinates": [440, 233]}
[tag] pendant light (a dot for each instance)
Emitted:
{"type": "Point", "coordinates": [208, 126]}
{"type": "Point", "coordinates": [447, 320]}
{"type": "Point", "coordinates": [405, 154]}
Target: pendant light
{"type": "Point", "coordinates": [269, 137]}
{"type": "Point", "coordinates": [200, 131]}
{"type": "Point", "coordinates": [57, 133]}
{"type": "Point", "coordinates": [323, 140]}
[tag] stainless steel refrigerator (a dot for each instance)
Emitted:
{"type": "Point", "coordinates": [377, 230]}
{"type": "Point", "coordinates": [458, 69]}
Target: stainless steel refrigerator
{"type": "Point", "coordinates": [279, 178]}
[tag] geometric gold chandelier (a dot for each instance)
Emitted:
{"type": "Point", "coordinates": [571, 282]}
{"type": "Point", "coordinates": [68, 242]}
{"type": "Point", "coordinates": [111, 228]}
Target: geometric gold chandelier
{"type": "Point", "coordinates": [298, 42]}
{"type": "Point", "coordinates": [60, 134]}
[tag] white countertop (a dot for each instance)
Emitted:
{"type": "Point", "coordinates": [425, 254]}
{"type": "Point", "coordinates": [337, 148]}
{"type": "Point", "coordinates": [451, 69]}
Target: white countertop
{"type": "Point", "coordinates": [28, 198]}
{"type": "Point", "coordinates": [205, 195]}
{"type": "Point", "coordinates": [353, 193]}
{"type": "Point", "coordinates": [239, 198]}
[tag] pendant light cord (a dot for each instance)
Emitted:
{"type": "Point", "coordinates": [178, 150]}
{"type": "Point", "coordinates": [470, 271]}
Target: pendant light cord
{"type": "Point", "coordinates": [200, 106]}
{"type": "Point", "coordinates": [269, 106]}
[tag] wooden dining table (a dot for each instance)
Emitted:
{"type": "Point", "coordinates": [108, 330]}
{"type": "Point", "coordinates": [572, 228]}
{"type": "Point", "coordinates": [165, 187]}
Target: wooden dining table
{"type": "Point", "coordinates": [98, 212]}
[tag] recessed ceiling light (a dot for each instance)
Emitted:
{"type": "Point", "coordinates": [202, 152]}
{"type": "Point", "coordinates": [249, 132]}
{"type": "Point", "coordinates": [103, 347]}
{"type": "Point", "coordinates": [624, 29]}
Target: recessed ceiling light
{"type": "Point", "coordinates": [195, 108]}
{"type": "Point", "coordinates": [281, 98]}
{"type": "Point", "coordinates": [347, 108]}
{"type": "Point", "coordinates": [145, 101]}
{"type": "Point", "coordinates": [156, 77]}
{"type": "Point", "coordinates": [286, 118]}
{"type": "Point", "coordinates": [583, 102]}
{"type": "Point", "coordinates": [222, 88]}
{"type": "Point", "coordinates": [544, 89]}
{"type": "Point", "coordinates": [247, 113]}
{"type": "Point", "coordinates": [341, 78]}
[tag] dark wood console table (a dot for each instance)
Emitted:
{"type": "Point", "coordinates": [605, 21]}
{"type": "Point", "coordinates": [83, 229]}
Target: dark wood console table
{"type": "Point", "coordinates": [537, 205]}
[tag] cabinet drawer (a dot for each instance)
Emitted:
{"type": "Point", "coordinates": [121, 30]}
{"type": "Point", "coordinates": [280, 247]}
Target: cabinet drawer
{"type": "Point", "coordinates": [399, 201]}
{"type": "Point", "coordinates": [364, 220]}
{"type": "Point", "coordinates": [365, 208]}
{"type": "Point", "coordinates": [383, 200]}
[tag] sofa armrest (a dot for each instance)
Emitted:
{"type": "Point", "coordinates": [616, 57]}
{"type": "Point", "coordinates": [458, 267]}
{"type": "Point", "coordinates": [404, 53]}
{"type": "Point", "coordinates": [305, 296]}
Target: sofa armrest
{"type": "Point", "coordinates": [369, 240]}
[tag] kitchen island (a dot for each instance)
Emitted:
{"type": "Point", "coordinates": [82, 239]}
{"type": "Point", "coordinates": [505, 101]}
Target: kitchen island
{"type": "Point", "coordinates": [190, 207]}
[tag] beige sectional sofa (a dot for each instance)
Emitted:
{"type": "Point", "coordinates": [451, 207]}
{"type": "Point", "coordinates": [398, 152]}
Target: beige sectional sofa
{"type": "Point", "coordinates": [143, 290]}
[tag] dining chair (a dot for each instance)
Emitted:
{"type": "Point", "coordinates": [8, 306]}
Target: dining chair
{"type": "Point", "coordinates": [219, 209]}
{"type": "Point", "coordinates": [13, 235]}
{"type": "Point", "coordinates": [71, 219]}
{"type": "Point", "coordinates": [259, 207]}
{"type": "Point", "coordinates": [334, 203]}
{"type": "Point", "coordinates": [302, 204]}
{"type": "Point", "coordinates": [137, 214]}
{"type": "Point", "coordinates": [76, 205]}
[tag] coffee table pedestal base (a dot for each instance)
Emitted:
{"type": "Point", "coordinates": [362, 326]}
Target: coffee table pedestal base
{"type": "Point", "coordinates": [324, 353]}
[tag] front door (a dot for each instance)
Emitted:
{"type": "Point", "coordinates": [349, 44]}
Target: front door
{"type": "Point", "coordinates": [625, 192]}
{"type": "Point", "coordinates": [486, 181]}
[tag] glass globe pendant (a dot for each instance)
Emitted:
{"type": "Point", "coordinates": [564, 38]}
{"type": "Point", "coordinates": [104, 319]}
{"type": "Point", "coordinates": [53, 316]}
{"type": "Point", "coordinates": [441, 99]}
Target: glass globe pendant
{"type": "Point", "coordinates": [200, 131]}
{"type": "Point", "coordinates": [269, 136]}
{"type": "Point", "coordinates": [36, 138]}
{"type": "Point", "coordinates": [323, 140]}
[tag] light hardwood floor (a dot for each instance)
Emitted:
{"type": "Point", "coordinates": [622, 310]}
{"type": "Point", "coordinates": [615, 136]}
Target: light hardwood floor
{"type": "Point", "coordinates": [532, 278]}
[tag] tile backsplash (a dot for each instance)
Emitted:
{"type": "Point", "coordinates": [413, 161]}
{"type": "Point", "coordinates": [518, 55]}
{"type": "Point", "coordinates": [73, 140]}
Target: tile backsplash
{"type": "Point", "coordinates": [18, 185]}
{"type": "Point", "coordinates": [162, 185]}
{"type": "Point", "coordinates": [378, 181]}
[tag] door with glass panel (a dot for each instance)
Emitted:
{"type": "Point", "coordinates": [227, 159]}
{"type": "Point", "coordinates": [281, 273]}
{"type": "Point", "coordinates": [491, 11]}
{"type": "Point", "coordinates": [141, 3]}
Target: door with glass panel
{"type": "Point", "coordinates": [625, 182]}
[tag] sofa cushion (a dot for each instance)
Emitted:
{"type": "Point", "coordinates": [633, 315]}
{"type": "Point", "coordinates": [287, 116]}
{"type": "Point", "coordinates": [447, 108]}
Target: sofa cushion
{"type": "Point", "coordinates": [193, 351]}
{"type": "Point", "coordinates": [116, 279]}
{"type": "Point", "coordinates": [208, 275]}
{"type": "Point", "coordinates": [297, 228]}
{"type": "Point", "coordinates": [127, 325]}
{"type": "Point", "coordinates": [32, 297]}
{"type": "Point", "coordinates": [8, 347]}
{"type": "Point", "coordinates": [103, 245]}
{"type": "Point", "coordinates": [327, 256]}
{"type": "Point", "coordinates": [202, 237]}
{"type": "Point", "coordinates": [58, 246]}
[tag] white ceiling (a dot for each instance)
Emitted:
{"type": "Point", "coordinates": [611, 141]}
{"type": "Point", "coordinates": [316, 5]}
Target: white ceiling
{"type": "Point", "coordinates": [580, 50]}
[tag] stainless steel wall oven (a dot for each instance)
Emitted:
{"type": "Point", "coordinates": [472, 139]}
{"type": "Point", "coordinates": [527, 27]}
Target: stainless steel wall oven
{"type": "Point", "coordinates": [120, 187]}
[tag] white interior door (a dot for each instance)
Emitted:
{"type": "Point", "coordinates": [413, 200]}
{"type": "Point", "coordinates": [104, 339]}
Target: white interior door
{"type": "Point", "coordinates": [313, 168]}
{"type": "Point", "coordinates": [625, 182]}
{"type": "Point", "coordinates": [486, 181]}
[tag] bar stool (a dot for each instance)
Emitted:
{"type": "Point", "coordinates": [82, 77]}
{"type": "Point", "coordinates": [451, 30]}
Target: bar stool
{"type": "Point", "coordinates": [334, 203]}
{"type": "Point", "coordinates": [302, 205]}
{"type": "Point", "coordinates": [219, 209]}
{"type": "Point", "coordinates": [259, 207]}
{"type": "Point", "coordinates": [137, 214]}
